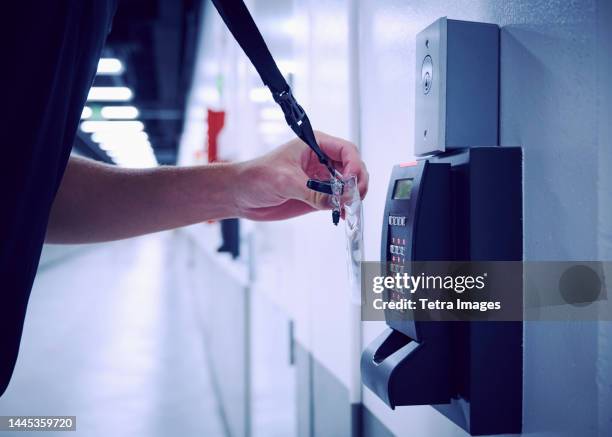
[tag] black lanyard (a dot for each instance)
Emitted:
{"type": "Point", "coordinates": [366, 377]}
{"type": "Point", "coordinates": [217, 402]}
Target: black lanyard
{"type": "Point", "coordinates": [240, 23]}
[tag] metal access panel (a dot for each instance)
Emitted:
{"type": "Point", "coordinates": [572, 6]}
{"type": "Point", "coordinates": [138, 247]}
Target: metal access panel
{"type": "Point", "coordinates": [487, 357]}
{"type": "Point", "coordinates": [457, 86]}
{"type": "Point", "coordinates": [464, 205]}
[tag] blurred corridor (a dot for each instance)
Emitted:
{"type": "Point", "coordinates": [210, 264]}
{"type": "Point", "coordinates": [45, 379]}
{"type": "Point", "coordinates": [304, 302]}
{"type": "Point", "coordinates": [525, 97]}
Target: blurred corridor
{"type": "Point", "coordinates": [111, 337]}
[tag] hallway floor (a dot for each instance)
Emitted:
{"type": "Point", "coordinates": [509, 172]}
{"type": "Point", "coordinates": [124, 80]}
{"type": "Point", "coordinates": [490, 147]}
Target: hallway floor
{"type": "Point", "coordinates": [111, 338]}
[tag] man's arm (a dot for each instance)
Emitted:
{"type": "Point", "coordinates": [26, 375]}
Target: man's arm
{"type": "Point", "coordinates": [98, 202]}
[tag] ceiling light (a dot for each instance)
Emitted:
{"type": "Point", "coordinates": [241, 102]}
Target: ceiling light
{"type": "Point", "coordinates": [86, 113]}
{"type": "Point", "coordinates": [110, 93]}
{"type": "Point", "coordinates": [117, 126]}
{"type": "Point", "coordinates": [109, 136]}
{"type": "Point", "coordinates": [124, 143]}
{"type": "Point", "coordinates": [133, 160]}
{"type": "Point", "coordinates": [120, 112]}
{"type": "Point", "coordinates": [111, 66]}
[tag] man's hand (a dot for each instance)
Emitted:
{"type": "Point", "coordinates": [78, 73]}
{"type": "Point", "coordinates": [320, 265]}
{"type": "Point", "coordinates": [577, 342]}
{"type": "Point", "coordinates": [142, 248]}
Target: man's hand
{"type": "Point", "coordinates": [99, 202]}
{"type": "Point", "coordinates": [273, 187]}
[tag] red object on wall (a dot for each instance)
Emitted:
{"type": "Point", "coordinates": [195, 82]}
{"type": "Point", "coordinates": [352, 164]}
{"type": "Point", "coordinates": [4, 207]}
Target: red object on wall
{"type": "Point", "coordinates": [216, 120]}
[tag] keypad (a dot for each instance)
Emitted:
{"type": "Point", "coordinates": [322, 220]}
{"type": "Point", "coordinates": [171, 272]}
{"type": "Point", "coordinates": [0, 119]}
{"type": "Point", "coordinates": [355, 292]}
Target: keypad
{"type": "Point", "coordinates": [395, 220]}
{"type": "Point", "coordinates": [398, 251]}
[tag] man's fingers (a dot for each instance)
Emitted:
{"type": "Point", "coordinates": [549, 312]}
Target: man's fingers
{"type": "Point", "coordinates": [362, 175]}
{"type": "Point", "coordinates": [347, 154]}
{"type": "Point", "coordinates": [338, 149]}
{"type": "Point", "coordinates": [363, 181]}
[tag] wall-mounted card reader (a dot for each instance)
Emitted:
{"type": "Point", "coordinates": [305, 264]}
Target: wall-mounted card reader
{"type": "Point", "coordinates": [406, 365]}
{"type": "Point", "coordinates": [460, 206]}
{"type": "Point", "coordinates": [462, 201]}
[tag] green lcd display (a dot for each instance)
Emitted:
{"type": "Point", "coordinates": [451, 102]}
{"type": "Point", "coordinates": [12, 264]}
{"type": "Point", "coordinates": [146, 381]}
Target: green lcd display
{"type": "Point", "coordinates": [402, 189]}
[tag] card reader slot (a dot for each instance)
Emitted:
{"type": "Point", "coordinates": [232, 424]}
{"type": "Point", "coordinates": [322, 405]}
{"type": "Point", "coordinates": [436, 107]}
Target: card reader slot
{"type": "Point", "coordinates": [402, 371]}
{"type": "Point", "coordinates": [392, 344]}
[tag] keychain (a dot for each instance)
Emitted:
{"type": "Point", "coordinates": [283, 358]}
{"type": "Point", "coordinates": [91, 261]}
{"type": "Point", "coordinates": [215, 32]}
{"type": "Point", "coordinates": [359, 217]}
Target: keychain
{"type": "Point", "coordinates": [334, 187]}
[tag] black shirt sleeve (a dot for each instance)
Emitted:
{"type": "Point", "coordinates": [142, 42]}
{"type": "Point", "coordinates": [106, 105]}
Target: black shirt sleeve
{"type": "Point", "coordinates": [50, 50]}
